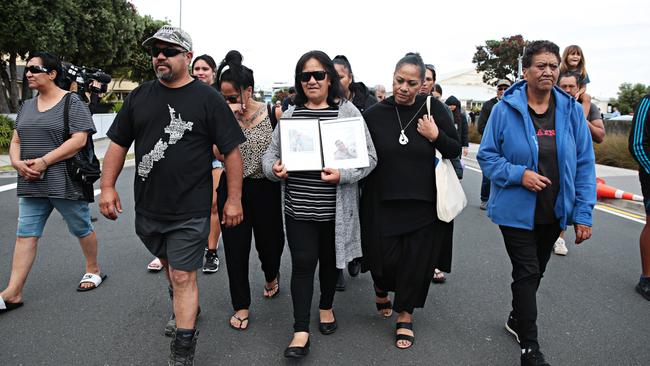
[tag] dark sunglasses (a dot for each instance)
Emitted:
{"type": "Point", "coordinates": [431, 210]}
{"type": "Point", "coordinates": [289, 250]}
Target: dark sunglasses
{"type": "Point", "coordinates": [231, 99]}
{"type": "Point", "coordinates": [34, 69]}
{"type": "Point", "coordinates": [318, 75]}
{"type": "Point", "coordinates": [167, 51]}
{"type": "Point", "coordinates": [502, 88]}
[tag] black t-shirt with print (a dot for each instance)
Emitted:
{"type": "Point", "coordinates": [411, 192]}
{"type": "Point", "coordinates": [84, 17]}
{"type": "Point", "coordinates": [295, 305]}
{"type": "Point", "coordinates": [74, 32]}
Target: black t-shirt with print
{"type": "Point", "coordinates": [547, 163]}
{"type": "Point", "coordinates": [174, 130]}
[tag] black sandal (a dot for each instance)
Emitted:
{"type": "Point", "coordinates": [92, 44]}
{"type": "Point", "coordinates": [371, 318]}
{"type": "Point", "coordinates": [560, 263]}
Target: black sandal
{"type": "Point", "coordinates": [404, 337]}
{"type": "Point", "coordinates": [383, 305]}
{"type": "Point", "coordinates": [241, 323]}
{"type": "Point", "coordinates": [275, 287]}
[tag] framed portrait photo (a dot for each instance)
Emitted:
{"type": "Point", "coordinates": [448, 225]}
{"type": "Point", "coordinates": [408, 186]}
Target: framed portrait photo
{"type": "Point", "coordinates": [344, 143]}
{"type": "Point", "coordinates": [300, 145]}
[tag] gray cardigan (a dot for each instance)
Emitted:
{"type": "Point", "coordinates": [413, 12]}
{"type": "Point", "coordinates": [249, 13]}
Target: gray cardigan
{"type": "Point", "coordinates": [347, 227]}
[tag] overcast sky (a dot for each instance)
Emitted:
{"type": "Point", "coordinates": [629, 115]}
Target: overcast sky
{"type": "Point", "coordinates": [614, 35]}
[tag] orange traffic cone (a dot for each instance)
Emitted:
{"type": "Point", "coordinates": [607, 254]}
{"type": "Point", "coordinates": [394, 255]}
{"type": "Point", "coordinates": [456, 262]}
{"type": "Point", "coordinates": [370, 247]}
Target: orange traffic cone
{"type": "Point", "coordinates": [605, 191]}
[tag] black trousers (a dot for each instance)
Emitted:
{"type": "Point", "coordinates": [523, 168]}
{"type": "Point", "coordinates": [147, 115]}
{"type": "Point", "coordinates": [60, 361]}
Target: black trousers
{"type": "Point", "coordinates": [407, 266]}
{"type": "Point", "coordinates": [529, 252]}
{"type": "Point", "coordinates": [311, 243]}
{"type": "Point", "coordinates": [261, 202]}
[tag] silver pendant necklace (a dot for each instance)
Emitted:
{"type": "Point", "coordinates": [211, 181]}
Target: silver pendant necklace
{"type": "Point", "coordinates": [403, 140]}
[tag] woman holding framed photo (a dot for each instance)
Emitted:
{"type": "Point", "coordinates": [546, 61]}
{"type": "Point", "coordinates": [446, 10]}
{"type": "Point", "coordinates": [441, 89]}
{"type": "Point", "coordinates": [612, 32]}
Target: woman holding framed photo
{"type": "Point", "coordinates": [320, 207]}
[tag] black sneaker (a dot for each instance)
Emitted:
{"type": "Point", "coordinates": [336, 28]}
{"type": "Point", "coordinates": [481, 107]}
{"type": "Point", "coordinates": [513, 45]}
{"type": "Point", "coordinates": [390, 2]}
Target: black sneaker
{"type": "Point", "coordinates": [512, 326]}
{"type": "Point", "coordinates": [533, 357]}
{"type": "Point", "coordinates": [643, 287]}
{"type": "Point", "coordinates": [182, 350]}
{"type": "Point", "coordinates": [211, 262]}
{"type": "Point", "coordinates": [354, 267]}
{"type": "Point", "coordinates": [340, 283]}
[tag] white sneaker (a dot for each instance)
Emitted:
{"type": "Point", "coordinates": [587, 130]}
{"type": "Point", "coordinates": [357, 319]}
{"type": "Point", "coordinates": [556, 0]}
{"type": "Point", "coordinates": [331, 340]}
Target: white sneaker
{"type": "Point", "coordinates": [560, 247]}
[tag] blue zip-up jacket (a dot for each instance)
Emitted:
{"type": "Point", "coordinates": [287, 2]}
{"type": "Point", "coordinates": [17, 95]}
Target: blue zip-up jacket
{"type": "Point", "coordinates": [509, 147]}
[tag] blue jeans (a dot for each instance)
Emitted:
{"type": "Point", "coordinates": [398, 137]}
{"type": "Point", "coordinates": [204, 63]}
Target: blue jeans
{"type": "Point", "coordinates": [33, 213]}
{"type": "Point", "coordinates": [485, 189]}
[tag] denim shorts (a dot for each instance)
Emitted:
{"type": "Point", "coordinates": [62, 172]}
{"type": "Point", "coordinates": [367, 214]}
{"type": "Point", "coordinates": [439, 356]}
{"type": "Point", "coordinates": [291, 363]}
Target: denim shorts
{"type": "Point", "coordinates": [34, 211]}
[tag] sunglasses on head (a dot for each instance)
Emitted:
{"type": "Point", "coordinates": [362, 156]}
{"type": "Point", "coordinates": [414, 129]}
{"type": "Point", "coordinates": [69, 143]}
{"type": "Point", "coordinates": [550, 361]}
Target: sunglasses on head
{"type": "Point", "coordinates": [35, 69]}
{"type": "Point", "coordinates": [167, 51]}
{"type": "Point", "coordinates": [318, 75]}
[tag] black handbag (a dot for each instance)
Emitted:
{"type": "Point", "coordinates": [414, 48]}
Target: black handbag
{"type": "Point", "coordinates": [84, 166]}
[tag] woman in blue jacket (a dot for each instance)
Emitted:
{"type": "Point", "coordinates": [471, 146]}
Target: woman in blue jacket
{"type": "Point", "coordinates": [537, 153]}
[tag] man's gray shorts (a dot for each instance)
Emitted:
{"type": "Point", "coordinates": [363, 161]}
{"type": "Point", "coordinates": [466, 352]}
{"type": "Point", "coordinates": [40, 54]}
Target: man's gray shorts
{"type": "Point", "coordinates": [181, 242]}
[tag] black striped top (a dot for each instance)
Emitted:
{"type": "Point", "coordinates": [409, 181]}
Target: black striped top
{"type": "Point", "coordinates": [42, 132]}
{"type": "Point", "coordinates": [307, 197]}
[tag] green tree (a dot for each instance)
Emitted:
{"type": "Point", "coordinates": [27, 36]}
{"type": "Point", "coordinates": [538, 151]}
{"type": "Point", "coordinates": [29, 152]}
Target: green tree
{"type": "Point", "coordinates": [96, 33]}
{"type": "Point", "coordinates": [25, 26]}
{"type": "Point", "coordinates": [138, 66]}
{"type": "Point", "coordinates": [279, 94]}
{"type": "Point", "coordinates": [628, 96]}
{"type": "Point", "coordinates": [497, 59]}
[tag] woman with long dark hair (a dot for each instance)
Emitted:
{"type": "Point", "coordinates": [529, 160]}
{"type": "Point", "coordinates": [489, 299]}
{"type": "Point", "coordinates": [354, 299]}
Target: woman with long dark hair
{"type": "Point", "coordinates": [260, 196]}
{"type": "Point", "coordinates": [320, 207]}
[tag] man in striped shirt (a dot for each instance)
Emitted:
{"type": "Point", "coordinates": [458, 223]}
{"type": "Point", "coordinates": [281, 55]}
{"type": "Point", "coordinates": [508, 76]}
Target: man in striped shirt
{"type": "Point", "coordinates": [639, 145]}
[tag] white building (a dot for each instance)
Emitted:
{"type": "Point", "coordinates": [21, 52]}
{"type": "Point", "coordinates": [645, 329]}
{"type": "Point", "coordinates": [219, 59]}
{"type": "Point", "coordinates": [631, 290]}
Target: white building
{"type": "Point", "coordinates": [467, 86]}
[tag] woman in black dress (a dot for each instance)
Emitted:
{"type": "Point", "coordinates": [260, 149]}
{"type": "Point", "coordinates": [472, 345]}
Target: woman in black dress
{"type": "Point", "coordinates": [401, 234]}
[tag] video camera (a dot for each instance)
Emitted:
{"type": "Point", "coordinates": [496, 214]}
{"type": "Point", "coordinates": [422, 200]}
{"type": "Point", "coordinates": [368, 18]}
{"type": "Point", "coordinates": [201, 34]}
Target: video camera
{"type": "Point", "coordinates": [84, 77]}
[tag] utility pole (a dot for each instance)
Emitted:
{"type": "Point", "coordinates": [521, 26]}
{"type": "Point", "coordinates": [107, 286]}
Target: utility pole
{"type": "Point", "coordinates": [180, 13]}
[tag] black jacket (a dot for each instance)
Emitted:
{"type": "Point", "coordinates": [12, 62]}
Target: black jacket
{"type": "Point", "coordinates": [485, 114]}
{"type": "Point", "coordinates": [462, 124]}
{"type": "Point", "coordinates": [362, 99]}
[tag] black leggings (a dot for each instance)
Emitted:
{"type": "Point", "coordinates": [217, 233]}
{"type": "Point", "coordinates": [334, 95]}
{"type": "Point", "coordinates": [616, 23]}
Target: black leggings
{"type": "Point", "coordinates": [262, 207]}
{"type": "Point", "coordinates": [529, 252]}
{"type": "Point", "coordinates": [311, 243]}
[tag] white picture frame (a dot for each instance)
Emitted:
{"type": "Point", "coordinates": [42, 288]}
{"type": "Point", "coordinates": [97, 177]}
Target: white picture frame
{"type": "Point", "coordinates": [300, 144]}
{"type": "Point", "coordinates": [343, 143]}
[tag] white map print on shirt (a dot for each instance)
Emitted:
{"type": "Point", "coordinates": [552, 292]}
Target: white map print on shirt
{"type": "Point", "coordinates": [176, 129]}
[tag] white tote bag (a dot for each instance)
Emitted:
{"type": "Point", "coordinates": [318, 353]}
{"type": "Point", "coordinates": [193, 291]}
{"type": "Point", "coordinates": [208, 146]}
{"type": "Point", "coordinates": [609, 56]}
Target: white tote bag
{"type": "Point", "coordinates": [450, 196]}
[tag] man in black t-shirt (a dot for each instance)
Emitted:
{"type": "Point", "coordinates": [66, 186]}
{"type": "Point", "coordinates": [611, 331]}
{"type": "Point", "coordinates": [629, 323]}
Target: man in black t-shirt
{"type": "Point", "coordinates": [174, 121]}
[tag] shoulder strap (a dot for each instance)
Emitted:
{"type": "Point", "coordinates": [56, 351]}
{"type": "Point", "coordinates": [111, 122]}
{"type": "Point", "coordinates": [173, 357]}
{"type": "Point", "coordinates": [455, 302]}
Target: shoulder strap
{"type": "Point", "coordinates": [271, 111]}
{"type": "Point", "coordinates": [66, 117]}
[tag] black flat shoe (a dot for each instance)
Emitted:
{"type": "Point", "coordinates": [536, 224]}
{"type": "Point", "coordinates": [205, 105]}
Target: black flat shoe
{"type": "Point", "coordinates": [297, 352]}
{"type": "Point", "coordinates": [327, 328]}
{"type": "Point", "coordinates": [354, 268]}
{"type": "Point", "coordinates": [340, 283]}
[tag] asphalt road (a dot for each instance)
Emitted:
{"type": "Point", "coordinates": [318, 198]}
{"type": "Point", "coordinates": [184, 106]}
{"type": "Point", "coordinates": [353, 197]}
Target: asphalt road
{"type": "Point", "coordinates": [589, 311]}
